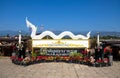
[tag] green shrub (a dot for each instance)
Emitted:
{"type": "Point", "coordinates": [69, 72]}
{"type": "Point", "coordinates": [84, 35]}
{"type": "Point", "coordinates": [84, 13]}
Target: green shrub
{"type": "Point", "coordinates": [74, 54]}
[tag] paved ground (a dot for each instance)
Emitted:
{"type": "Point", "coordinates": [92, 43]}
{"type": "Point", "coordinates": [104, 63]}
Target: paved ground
{"type": "Point", "coordinates": [57, 70]}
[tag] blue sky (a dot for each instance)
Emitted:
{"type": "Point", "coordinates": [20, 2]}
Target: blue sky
{"type": "Point", "coordinates": [72, 15]}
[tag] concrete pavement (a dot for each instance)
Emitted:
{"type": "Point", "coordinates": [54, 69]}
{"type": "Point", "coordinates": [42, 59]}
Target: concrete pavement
{"type": "Point", "coordinates": [57, 70]}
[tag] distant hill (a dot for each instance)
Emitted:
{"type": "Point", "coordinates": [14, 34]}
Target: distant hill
{"type": "Point", "coordinates": [106, 33]}
{"type": "Point", "coordinates": [93, 33]}
{"type": "Point", "coordinates": [11, 33]}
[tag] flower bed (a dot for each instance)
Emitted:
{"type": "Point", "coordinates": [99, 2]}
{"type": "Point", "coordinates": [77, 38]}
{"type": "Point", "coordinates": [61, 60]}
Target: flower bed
{"type": "Point", "coordinates": [73, 58]}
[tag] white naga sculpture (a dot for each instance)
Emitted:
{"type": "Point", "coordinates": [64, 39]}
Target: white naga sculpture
{"type": "Point", "coordinates": [51, 34]}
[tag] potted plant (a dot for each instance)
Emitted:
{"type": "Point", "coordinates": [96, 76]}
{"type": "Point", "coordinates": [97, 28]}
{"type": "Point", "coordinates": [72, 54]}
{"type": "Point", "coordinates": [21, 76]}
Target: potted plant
{"type": "Point", "coordinates": [75, 57]}
{"type": "Point", "coordinates": [58, 58]}
{"type": "Point", "coordinates": [98, 63]}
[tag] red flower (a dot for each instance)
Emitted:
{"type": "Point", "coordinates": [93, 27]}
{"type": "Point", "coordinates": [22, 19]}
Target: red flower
{"type": "Point", "coordinates": [65, 57]}
{"type": "Point", "coordinates": [105, 60]}
{"type": "Point", "coordinates": [42, 57]}
{"type": "Point", "coordinates": [99, 61]}
{"type": "Point", "coordinates": [20, 59]}
{"type": "Point", "coordinates": [84, 52]}
{"type": "Point", "coordinates": [86, 59]}
{"type": "Point", "coordinates": [39, 57]}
